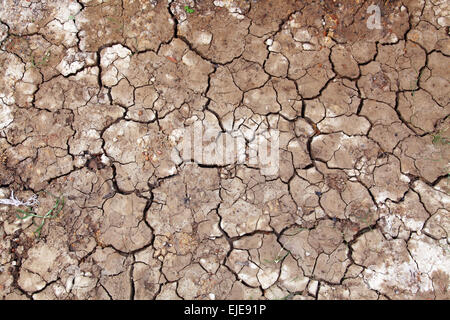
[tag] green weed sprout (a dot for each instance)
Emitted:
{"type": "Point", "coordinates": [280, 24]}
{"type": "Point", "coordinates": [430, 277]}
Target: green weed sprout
{"type": "Point", "coordinates": [416, 87]}
{"type": "Point", "coordinates": [278, 258]}
{"type": "Point", "coordinates": [43, 61]}
{"type": "Point", "coordinates": [439, 139]}
{"type": "Point", "coordinates": [51, 214]}
{"type": "Point", "coordinates": [188, 9]}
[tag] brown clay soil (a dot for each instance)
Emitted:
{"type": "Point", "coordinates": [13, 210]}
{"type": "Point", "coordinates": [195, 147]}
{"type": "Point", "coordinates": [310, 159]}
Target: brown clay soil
{"type": "Point", "coordinates": [92, 96]}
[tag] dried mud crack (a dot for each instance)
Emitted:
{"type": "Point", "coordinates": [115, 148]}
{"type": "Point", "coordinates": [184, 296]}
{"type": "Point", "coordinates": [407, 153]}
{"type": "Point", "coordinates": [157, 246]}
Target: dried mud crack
{"type": "Point", "coordinates": [99, 98]}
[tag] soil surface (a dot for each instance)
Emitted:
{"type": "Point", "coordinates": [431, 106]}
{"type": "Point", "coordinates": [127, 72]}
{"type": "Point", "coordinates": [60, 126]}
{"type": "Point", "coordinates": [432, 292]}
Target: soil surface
{"type": "Point", "coordinates": [92, 98]}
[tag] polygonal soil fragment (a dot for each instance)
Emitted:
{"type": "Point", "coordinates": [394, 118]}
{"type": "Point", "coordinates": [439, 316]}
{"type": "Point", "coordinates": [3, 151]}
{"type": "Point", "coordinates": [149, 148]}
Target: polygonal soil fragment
{"type": "Point", "coordinates": [150, 157]}
{"type": "Point", "coordinates": [257, 261]}
{"type": "Point", "coordinates": [196, 283]}
{"type": "Point", "coordinates": [429, 37]}
{"type": "Point", "coordinates": [146, 24]}
{"type": "Point", "coordinates": [406, 59]}
{"type": "Point", "coordinates": [435, 80]}
{"type": "Point", "coordinates": [146, 275]}
{"type": "Point", "coordinates": [338, 98]}
{"type": "Point", "coordinates": [420, 110]}
{"type": "Point", "coordinates": [342, 151]}
{"type": "Point", "coordinates": [247, 75]}
{"type": "Point", "coordinates": [262, 100]}
{"type": "Point", "coordinates": [261, 207]}
{"type": "Point", "coordinates": [389, 181]}
{"type": "Point", "coordinates": [277, 65]}
{"type": "Point", "coordinates": [397, 274]}
{"type": "Point", "coordinates": [352, 125]}
{"type": "Point", "coordinates": [387, 129]}
{"type": "Point", "coordinates": [420, 156]}
{"type": "Point", "coordinates": [267, 16]}
{"type": "Point", "coordinates": [216, 37]}
{"type": "Point", "coordinates": [44, 264]}
{"type": "Point", "coordinates": [344, 63]}
{"type": "Point", "coordinates": [320, 244]}
{"type": "Point", "coordinates": [223, 92]}
{"type": "Point", "coordinates": [410, 211]}
{"type": "Point", "coordinates": [123, 226]}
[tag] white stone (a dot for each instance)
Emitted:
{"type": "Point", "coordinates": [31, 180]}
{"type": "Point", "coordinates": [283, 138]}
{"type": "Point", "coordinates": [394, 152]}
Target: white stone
{"type": "Point", "coordinates": [204, 38]}
{"type": "Point", "coordinates": [6, 117]}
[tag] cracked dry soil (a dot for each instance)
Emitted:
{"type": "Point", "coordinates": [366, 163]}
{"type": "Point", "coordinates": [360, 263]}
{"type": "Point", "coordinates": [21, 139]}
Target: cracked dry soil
{"type": "Point", "coordinates": [92, 94]}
